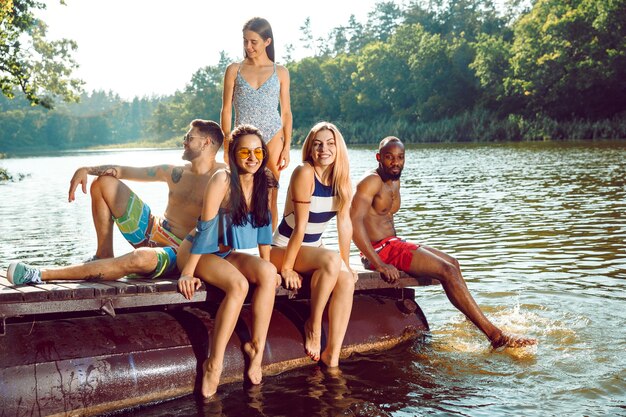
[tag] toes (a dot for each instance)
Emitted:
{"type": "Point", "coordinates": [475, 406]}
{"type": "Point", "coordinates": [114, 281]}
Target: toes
{"type": "Point", "coordinates": [255, 376]}
{"type": "Point", "coordinates": [210, 381]}
{"type": "Point", "coordinates": [312, 342]}
{"type": "Point", "coordinates": [255, 373]}
{"type": "Point", "coordinates": [313, 356]}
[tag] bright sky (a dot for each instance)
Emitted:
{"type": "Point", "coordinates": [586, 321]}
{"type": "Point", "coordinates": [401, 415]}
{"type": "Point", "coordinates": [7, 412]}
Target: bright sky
{"type": "Point", "coordinates": [145, 47]}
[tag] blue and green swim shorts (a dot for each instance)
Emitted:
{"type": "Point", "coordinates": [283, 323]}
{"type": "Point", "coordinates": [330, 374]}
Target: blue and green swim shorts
{"type": "Point", "coordinates": [143, 229]}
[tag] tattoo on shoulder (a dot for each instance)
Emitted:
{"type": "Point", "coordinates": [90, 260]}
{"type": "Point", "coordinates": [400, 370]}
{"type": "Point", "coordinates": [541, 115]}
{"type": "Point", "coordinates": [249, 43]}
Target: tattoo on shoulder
{"type": "Point", "coordinates": [104, 170]}
{"type": "Point", "coordinates": [177, 174]}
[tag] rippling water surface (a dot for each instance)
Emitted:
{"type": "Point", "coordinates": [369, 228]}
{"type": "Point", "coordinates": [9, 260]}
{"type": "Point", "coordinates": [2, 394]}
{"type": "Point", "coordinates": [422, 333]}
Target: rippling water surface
{"type": "Point", "coordinates": [538, 228]}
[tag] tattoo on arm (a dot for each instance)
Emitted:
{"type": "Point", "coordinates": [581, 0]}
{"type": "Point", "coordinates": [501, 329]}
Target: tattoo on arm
{"type": "Point", "coordinates": [94, 277]}
{"type": "Point", "coordinates": [177, 174]}
{"type": "Point", "coordinates": [152, 171]}
{"type": "Point", "coordinates": [104, 170]}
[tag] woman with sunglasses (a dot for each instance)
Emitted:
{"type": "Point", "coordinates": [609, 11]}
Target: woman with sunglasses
{"type": "Point", "coordinates": [235, 215]}
{"type": "Point", "coordinates": [319, 189]}
{"type": "Point", "coordinates": [255, 87]}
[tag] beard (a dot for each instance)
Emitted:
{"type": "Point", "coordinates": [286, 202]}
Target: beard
{"type": "Point", "coordinates": [387, 175]}
{"type": "Point", "coordinates": [189, 155]}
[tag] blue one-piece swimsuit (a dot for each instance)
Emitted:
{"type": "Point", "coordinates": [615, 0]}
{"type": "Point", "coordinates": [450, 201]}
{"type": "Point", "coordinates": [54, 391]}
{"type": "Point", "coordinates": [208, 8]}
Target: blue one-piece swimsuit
{"type": "Point", "coordinates": [259, 107]}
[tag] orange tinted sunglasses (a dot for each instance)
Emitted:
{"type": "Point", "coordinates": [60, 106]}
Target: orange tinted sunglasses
{"type": "Point", "coordinates": [244, 153]}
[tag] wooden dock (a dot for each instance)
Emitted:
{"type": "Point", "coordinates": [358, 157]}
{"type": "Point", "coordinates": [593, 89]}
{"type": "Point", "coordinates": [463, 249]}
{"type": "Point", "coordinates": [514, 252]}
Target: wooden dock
{"type": "Point", "coordinates": [93, 347]}
{"type": "Point", "coordinates": [63, 296]}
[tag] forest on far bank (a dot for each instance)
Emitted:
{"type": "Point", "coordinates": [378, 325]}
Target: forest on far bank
{"type": "Point", "coordinates": [427, 71]}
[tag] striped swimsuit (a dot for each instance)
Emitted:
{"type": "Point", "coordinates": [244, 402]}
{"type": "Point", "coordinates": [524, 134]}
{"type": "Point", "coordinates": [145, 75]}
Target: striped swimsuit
{"type": "Point", "coordinates": [322, 209]}
{"type": "Point", "coordinates": [259, 107]}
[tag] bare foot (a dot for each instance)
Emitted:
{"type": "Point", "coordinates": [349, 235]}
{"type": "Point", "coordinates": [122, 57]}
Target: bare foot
{"type": "Point", "coordinates": [210, 379]}
{"type": "Point", "coordinates": [312, 342]}
{"type": "Point", "coordinates": [509, 340]}
{"type": "Point", "coordinates": [328, 361]}
{"type": "Point", "coordinates": [255, 374]}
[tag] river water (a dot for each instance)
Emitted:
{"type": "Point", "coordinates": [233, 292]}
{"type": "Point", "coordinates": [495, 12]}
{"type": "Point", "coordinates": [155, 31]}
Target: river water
{"type": "Point", "coordinates": [538, 228]}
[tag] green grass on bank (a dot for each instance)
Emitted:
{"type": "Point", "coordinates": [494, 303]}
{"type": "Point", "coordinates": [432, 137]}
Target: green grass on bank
{"type": "Point", "coordinates": [475, 126]}
{"type": "Point", "coordinates": [479, 126]}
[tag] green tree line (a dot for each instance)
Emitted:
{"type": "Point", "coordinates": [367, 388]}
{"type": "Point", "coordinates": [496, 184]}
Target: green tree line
{"type": "Point", "coordinates": [427, 71]}
{"type": "Point", "coordinates": [100, 118]}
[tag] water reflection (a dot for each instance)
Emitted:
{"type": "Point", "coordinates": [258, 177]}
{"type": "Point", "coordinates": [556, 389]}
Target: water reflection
{"type": "Point", "coordinates": [330, 388]}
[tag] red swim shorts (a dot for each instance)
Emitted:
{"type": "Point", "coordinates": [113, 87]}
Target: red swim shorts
{"type": "Point", "coordinates": [395, 251]}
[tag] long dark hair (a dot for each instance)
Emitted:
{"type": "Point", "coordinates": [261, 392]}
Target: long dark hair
{"type": "Point", "coordinates": [260, 189]}
{"type": "Point", "coordinates": [262, 28]}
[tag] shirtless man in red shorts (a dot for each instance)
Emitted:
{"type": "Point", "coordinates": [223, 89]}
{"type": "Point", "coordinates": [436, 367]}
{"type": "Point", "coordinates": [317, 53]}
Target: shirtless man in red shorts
{"type": "Point", "coordinates": [376, 200]}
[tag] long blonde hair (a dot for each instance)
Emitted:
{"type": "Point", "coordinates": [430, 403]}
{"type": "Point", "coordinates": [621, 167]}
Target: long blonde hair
{"type": "Point", "coordinates": [340, 170]}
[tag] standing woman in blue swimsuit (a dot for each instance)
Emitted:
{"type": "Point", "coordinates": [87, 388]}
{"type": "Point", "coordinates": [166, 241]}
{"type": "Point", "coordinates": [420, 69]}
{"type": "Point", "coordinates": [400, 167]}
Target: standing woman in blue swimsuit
{"type": "Point", "coordinates": [255, 87]}
{"type": "Point", "coordinates": [319, 190]}
{"type": "Point", "coordinates": [235, 215]}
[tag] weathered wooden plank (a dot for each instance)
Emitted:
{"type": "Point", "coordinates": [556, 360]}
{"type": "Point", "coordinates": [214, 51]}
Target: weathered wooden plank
{"type": "Point", "coordinates": [405, 279]}
{"type": "Point", "coordinates": [143, 286]}
{"type": "Point", "coordinates": [94, 304]}
{"type": "Point", "coordinates": [121, 287]}
{"type": "Point", "coordinates": [78, 289]}
{"type": "Point", "coordinates": [373, 282]}
{"type": "Point", "coordinates": [160, 284]}
{"type": "Point", "coordinates": [9, 295]}
{"type": "Point", "coordinates": [100, 289]}
{"type": "Point", "coordinates": [32, 293]}
{"type": "Point", "coordinates": [70, 296]}
{"type": "Point", "coordinates": [55, 291]}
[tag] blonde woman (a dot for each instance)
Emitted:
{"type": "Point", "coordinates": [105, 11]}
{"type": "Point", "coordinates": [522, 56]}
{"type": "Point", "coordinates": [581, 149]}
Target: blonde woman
{"type": "Point", "coordinates": [255, 87]}
{"type": "Point", "coordinates": [319, 189]}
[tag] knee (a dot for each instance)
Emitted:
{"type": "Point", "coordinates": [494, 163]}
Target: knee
{"type": "Point", "coordinates": [450, 272]}
{"type": "Point", "coordinates": [237, 288]}
{"type": "Point", "coordinates": [455, 263]}
{"type": "Point", "coordinates": [142, 260]}
{"type": "Point", "coordinates": [346, 281]}
{"type": "Point", "coordinates": [102, 183]}
{"type": "Point", "coordinates": [330, 262]}
{"type": "Point", "coordinates": [267, 274]}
